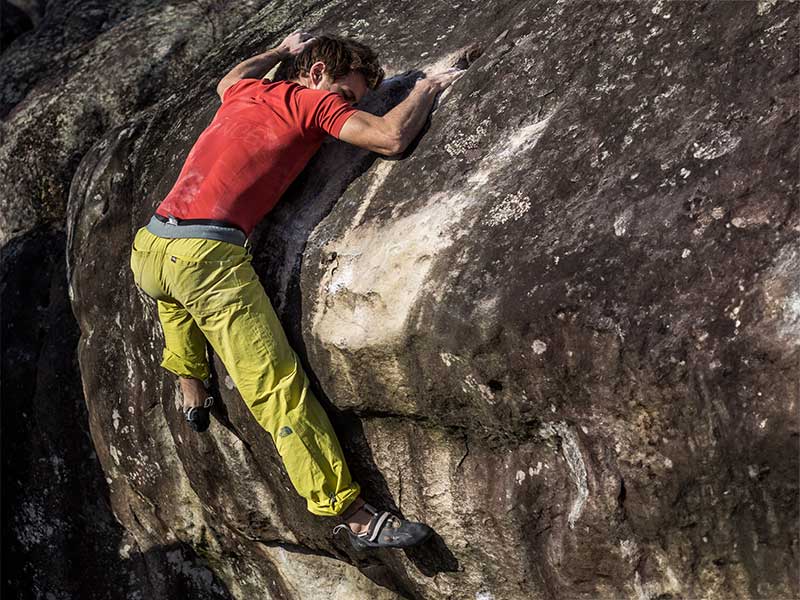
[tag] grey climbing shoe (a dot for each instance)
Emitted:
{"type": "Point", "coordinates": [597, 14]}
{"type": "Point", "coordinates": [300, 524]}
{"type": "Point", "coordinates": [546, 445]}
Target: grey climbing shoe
{"type": "Point", "coordinates": [386, 530]}
{"type": "Point", "coordinates": [198, 416]}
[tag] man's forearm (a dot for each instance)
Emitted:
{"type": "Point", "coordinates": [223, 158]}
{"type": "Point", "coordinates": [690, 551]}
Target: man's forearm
{"type": "Point", "coordinates": [259, 65]}
{"type": "Point", "coordinates": [408, 117]}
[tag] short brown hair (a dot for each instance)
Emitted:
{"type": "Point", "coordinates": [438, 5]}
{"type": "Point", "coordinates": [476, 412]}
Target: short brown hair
{"type": "Point", "coordinates": [341, 56]}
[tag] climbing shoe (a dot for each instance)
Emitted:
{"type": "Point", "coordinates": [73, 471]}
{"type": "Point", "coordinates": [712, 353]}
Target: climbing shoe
{"type": "Point", "coordinates": [198, 416]}
{"type": "Point", "coordinates": [386, 530]}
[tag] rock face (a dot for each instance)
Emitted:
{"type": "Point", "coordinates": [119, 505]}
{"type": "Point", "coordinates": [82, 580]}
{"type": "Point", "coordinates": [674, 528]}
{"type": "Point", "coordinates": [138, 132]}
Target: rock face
{"type": "Point", "coordinates": [60, 537]}
{"type": "Point", "coordinates": [563, 329]}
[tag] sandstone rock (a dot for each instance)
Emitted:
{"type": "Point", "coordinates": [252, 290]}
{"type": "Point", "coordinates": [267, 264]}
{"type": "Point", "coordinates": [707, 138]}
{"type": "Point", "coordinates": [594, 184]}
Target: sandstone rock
{"type": "Point", "coordinates": [90, 66]}
{"type": "Point", "coordinates": [60, 538]}
{"type": "Point", "coordinates": [563, 329]}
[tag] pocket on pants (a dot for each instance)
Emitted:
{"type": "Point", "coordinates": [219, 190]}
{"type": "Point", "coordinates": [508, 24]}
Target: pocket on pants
{"type": "Point", "coordinates": [146, 267]}
{"type": "Point", "coordinates": [136, 267]}
{"type": "Point", "coordinates": [140, 256]}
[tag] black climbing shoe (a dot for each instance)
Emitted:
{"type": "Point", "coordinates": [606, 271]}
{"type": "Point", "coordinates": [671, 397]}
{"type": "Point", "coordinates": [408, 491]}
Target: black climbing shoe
{"type": "Point", "coordinates": [198, 416]}
{"type": "Point", "coordinates": [386, 530]}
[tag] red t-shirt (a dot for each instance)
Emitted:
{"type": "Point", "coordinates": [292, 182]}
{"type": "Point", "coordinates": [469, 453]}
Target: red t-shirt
{"type": "Point", "coordinates": [258, 142]}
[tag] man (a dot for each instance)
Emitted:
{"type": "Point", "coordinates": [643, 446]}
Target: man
{"type": "Point", "coordinates": [193, 260]}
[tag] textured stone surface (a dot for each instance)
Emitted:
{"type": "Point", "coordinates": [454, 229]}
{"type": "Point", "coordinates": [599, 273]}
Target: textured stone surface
{"type": "Point", "coordinates": [90, 66]}
{"type": "Point", "coordinates": [15, 23]}
{"type": "Point", "coordinates": [59, 534]}
{"type": "Point", "coordinates": [563, 329]}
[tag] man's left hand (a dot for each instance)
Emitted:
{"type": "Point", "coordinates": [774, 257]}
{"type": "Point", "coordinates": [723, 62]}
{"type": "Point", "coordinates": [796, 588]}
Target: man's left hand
{"type": "Point", "coordinates": [295, 43]}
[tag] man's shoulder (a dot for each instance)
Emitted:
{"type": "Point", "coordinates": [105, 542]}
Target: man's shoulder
{"type": "Point", "coordinates": [250, 85]}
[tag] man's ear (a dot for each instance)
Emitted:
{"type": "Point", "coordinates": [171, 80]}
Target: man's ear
{"type": "Point", "coordinates": [317, 72]}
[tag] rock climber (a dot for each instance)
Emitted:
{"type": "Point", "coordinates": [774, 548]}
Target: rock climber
{"type": "Point", "coordinates": [193, 256]}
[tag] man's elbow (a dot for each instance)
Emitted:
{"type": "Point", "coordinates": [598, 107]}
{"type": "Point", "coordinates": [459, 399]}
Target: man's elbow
{"type": "Point", "coordinates": [393, 145]}
{"type": "Point", "coordinates": [221, 87]}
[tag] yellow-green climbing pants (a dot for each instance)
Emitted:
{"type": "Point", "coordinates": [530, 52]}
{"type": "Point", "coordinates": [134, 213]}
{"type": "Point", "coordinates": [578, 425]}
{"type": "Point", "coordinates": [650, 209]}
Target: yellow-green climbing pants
{"type": "Point", "coordinates": [206, 289]}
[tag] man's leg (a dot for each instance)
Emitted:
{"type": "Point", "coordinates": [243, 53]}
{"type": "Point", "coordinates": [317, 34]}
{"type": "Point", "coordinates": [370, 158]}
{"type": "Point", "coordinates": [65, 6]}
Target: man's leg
{"type": "Point", "coordinates": [184, 351]}
{"type": "Point", "coordinates": [236, 317]}
{"type": "Point", "coordinates": [185, 346]}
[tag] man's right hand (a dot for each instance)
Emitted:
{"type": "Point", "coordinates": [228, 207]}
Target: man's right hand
{"type": "Point", "coordinates": [441, 81]}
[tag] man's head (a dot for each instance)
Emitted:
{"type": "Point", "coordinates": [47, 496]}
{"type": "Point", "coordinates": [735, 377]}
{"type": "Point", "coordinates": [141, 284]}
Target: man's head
{"type": "Point", "coordinates": [341, 65]}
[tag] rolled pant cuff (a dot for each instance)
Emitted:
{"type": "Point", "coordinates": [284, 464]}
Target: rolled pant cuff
{"type": "Point", "coordinates": [338, 503]}
{"type": "Point", "coordinates": [182, 368]}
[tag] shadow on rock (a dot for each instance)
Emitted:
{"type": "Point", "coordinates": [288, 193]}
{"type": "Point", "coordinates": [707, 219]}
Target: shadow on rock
{"type": "Point", "coordinates": [175, 571]}
{"type": "Point", "coordinates": [430, 558]}
{"type": "Point", "coordinates": [60, 536]}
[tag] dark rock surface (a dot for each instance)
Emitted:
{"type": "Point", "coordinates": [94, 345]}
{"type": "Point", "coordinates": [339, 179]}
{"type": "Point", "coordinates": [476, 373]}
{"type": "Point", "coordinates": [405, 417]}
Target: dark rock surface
{"type": "Point", "coordinates": [90, 65]}
{"type": "Point", "coordinates": [13, 23]}
{"type": "Point", "coordinates": [59, 534]}
{"type": "Point", "coordinates": [564, 330]}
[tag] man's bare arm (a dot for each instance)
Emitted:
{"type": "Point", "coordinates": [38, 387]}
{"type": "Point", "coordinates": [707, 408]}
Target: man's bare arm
{"type": "Point", "coordinates": [394, 131]}
{"type": "Point", "coordinates": [259, 65]}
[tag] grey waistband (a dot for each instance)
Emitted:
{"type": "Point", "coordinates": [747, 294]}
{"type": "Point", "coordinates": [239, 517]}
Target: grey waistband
{"type": "Point", "coordinates": [208, 232]}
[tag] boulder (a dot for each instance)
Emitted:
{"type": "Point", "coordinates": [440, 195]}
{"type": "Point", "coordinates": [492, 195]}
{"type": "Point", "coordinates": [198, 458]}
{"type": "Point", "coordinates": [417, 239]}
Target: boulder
{"type": "Point", "coordinates": [563, 328]}
{"type": "Point", "coordinates": [60, 536]}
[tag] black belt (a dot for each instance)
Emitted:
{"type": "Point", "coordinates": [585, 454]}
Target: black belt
{"type": "Point", "coordinates": [177, 221]}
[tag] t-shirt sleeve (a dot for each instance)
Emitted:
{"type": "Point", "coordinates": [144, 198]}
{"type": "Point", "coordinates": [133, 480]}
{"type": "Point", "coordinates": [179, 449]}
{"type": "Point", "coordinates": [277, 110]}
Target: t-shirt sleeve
{"type": "Point", "coordinates": [330, 113]}
{"type": "Point", "coordinates": [243, 86]}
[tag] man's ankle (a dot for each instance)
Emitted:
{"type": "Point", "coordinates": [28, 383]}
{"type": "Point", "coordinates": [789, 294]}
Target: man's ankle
{"type": "Point", "coordinates": [357, 527]}
{"type": "Point", "coordinates": [352, 509]}
{"type": "Point", "coordinates": [193, 391]}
